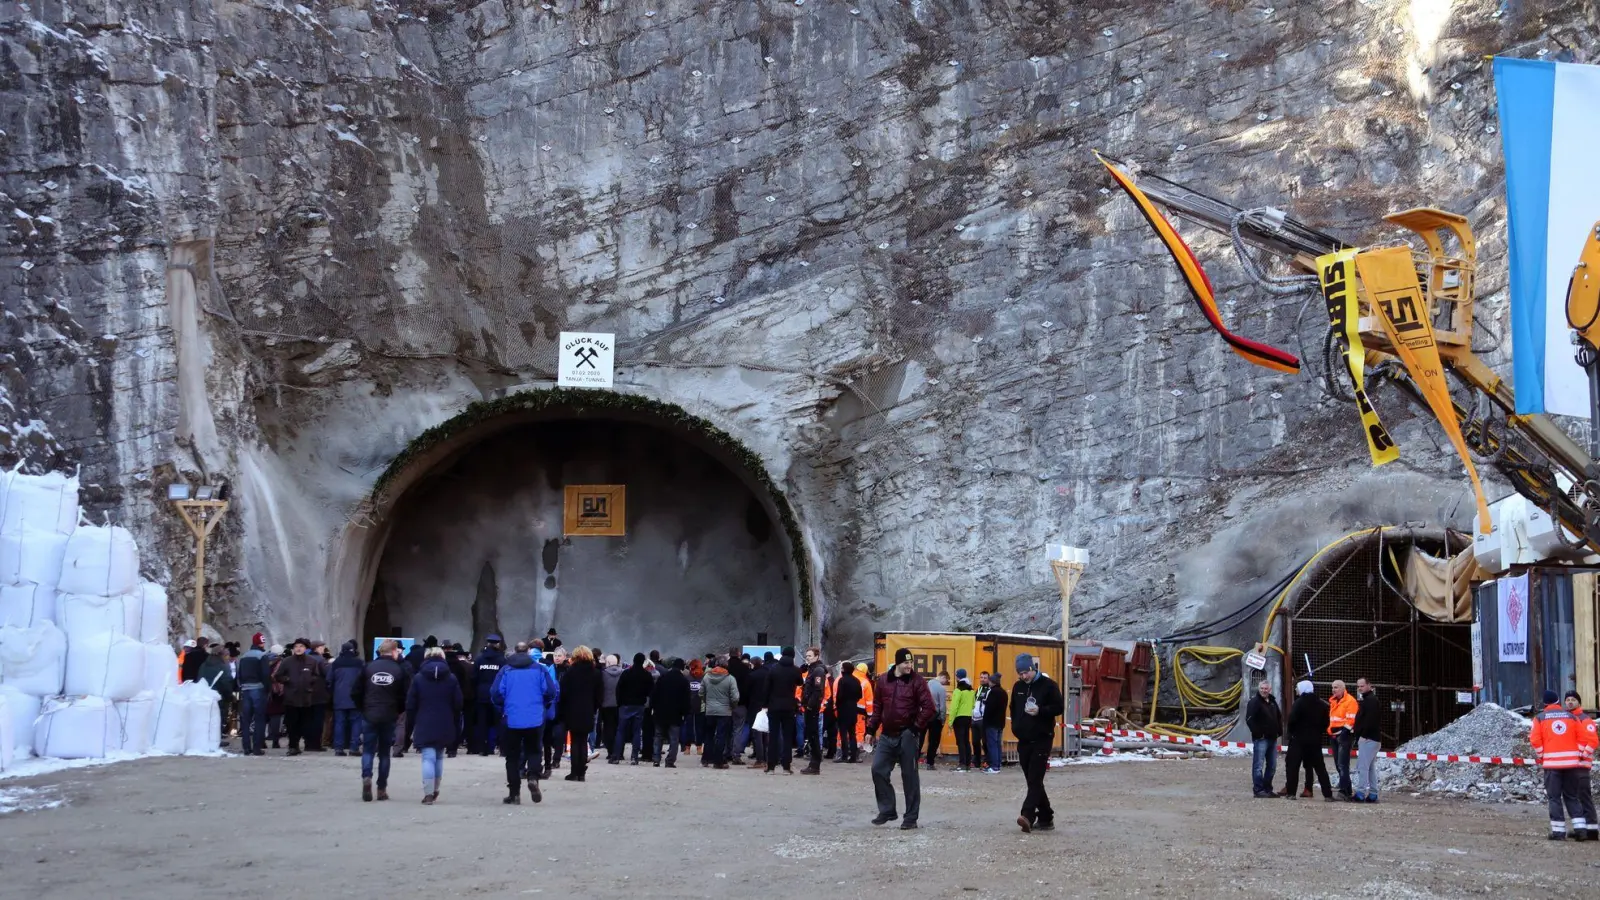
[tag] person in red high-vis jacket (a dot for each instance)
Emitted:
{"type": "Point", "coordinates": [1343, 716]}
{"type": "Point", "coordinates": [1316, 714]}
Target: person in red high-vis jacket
{"type": "Point", "coordinates": [1560, 747]}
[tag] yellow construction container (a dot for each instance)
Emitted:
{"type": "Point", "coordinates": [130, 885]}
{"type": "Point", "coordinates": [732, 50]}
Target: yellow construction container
{"type": "Point", "coordinates": [933, 652]}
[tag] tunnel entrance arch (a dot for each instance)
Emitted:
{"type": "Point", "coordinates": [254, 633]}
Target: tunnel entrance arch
{"type": "Point", "coordinates": [462, 533]}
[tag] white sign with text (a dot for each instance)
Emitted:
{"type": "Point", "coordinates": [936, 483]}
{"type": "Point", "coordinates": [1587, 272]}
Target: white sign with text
{"type": "Point", "coordinates": [586, 360]}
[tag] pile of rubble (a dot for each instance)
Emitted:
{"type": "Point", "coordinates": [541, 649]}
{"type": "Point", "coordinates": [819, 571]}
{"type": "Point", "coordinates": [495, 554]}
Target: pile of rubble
{"type": "Point", "coordinates": [1489, 730]}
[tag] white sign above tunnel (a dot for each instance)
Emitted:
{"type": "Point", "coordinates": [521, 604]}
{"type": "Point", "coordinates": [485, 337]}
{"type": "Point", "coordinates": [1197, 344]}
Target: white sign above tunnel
{"type": "Point", "coordinates": [586, 360]}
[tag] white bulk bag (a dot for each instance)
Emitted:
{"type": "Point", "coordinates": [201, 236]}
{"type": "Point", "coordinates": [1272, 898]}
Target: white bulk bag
{"type": "Point", "coordinates": [72, 728]}
{"type": "Point", "coordinates": [33, 660]}
{"type": "Point", "coordinates": [91, 615]}
{"type": "Point", "coordinates": [46, 502]}
{"type": "Point", "coordinates": [8, 744]}
{"type": "Point", "coordinates": [203, 732]}
{"type": "Point", "coordinates": [23, 710]}
{"type": "Point", "coordinates": [26, 605]}
{"type": "Point", "coordinates": [100, 560]}
{"type": "Point", "coordinates": [32, 554]}
{"type": "Point", "coordinates": [106, 665]}
{"type": "Point", "coordinates": [129, 725]}
{"type": "Point", "coordinates": [152, 599]}
{"type": "Point", "coordinates": [169, 721]}
{"type": "Point", "coordinates": [160, 668]}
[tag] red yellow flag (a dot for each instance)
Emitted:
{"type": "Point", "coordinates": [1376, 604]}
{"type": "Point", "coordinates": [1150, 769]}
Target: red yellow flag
{"type": "Point", "coordinates": [1391, 282]}
{"type": "Point", "coordinates": [1199, 285]}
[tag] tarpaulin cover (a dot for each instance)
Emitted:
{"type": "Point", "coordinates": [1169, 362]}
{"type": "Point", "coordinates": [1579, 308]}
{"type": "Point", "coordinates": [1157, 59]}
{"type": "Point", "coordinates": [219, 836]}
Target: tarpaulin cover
{"type": "Point", "coordinates": [1441, 589]}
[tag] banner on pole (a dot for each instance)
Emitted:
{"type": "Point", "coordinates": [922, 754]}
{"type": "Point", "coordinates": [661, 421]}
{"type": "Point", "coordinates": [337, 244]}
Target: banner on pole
{"type": "Point", "coordinates": [1513, 607]}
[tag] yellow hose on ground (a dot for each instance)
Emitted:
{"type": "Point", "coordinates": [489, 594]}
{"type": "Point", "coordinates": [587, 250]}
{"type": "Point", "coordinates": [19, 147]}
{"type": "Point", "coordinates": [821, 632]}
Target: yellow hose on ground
{"type": "Point", "coordinates": [1191, 694]}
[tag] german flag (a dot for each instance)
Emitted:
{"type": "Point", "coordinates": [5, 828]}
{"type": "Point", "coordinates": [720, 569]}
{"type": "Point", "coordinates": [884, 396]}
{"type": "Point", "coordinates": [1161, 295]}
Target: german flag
{"type": "Point", "coordinates": [1199, 285]}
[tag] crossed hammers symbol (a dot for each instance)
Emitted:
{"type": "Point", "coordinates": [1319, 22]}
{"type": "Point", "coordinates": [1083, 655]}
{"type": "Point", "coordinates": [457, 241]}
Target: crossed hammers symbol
{"type": "Point", "coordinates": [586, 357]}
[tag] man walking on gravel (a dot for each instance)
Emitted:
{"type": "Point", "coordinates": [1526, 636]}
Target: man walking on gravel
{"type": "Point", "coordinates": [1035, 703]}
{"type": "Point", "coordinates": [524, 696]}
{"type": "Point", "coordinates": [904, 709]}
{"type": "Point", "coordinates": [380, 695]}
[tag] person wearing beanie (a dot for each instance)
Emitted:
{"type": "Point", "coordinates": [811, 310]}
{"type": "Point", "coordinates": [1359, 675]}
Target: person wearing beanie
{"type": "Point", "coordinates": [1035, 703]}
{"type": "Point", "coordinates": [633, 692]}
{"type": "Point", "coordinates": [1588, 737]}
{"type": "Point", "coordinates": [904, 709]}
{"type": "Point", "coordinates": [962, 700]}
{"type": "Point", "coordinates": [342, 678]}
{"type": "Point", "coordinates": [254, 678]}
{"type": "Point", "coordinates": [1561, 747]}
{"type": "Point", "coordinates": [1308, 727]}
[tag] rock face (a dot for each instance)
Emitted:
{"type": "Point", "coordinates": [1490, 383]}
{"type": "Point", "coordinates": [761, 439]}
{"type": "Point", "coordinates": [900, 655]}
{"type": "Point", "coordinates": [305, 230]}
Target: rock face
{"type": "Point", "coordinates": [274, 243]}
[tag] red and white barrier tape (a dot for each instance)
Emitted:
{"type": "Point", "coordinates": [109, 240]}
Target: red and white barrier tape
{"type": "Point", "coordinates": [1213, 743]}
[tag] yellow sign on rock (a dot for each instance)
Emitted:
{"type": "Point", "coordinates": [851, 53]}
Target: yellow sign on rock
{"type": "Point", "coordinates": [596, 509]}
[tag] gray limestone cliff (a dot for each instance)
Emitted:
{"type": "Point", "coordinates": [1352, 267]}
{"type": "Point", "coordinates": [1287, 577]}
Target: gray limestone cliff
{"type": "Point", "coordinates": [274, 243]}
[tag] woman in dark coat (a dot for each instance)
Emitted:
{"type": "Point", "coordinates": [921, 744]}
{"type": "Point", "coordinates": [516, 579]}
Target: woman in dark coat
{"type": "Point", "coordinates": [581, 692]}
{"type": "Point", "coordinates": [434, 705]}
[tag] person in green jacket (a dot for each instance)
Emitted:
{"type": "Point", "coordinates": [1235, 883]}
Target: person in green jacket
{"type": "Point", "coordinates": [962, 700]}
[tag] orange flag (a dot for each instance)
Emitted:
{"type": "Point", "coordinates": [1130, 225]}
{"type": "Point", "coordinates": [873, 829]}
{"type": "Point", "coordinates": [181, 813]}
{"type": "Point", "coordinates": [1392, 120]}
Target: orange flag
{"type": "Point", "coordinates": [1199, 285]}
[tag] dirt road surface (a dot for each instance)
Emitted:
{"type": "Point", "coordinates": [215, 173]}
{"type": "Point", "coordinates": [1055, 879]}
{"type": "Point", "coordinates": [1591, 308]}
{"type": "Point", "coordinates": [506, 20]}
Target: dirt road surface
{"type": "Point", "coordinates": [172, 828]}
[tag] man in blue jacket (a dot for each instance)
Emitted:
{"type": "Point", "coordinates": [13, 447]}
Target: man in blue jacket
{"type": "Point", "coordinates": [342, 678]}
{"type": "Point", "coordinates": [525, 695]}
{"type": "Point", "coordinates": [484, 721]}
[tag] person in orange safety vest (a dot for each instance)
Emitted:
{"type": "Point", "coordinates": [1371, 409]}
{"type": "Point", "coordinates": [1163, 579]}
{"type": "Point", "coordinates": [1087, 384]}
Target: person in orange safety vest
{"type": "Point", "coordinates": [1588, 738]}
{"type": "Point", "coordinates": [1342, 709]}
{"type": "Point", "coordinates": [1560, 747]}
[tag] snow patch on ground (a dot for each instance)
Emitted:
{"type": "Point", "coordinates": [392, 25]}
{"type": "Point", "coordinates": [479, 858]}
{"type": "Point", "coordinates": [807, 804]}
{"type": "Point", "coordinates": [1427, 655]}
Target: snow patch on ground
{"type": "Point", "coordinates": [23, 799]}
{"type": "Point", "coordinates": [35, 765]}
{"type": "Point", "coordinates": [1099, 759]}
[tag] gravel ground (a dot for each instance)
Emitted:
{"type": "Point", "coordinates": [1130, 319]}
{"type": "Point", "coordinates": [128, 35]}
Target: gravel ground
{"type": "Point", "coordinates": [1489, 730]}
{"type": "Point", "coordinates": [173, 827]}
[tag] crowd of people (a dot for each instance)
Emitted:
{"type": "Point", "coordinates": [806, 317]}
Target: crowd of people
{"type": "Point", "coordinates": [1564, 740]}
{"type": "Point", "coordinates": [538, 705]}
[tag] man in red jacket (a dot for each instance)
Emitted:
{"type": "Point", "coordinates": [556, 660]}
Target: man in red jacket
{"type": "Point", "coordinates": [904, 708]}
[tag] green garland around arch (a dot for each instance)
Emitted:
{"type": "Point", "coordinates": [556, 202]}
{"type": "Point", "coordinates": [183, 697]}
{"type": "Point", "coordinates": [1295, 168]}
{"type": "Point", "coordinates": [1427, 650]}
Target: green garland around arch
{"type": "Point", "coordinates": [579, 401]}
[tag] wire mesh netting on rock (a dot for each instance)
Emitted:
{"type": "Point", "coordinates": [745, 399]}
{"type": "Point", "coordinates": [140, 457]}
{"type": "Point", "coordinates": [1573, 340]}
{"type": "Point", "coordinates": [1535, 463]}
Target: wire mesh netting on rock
{"type": "Point", "coordinates": [1489, 730]}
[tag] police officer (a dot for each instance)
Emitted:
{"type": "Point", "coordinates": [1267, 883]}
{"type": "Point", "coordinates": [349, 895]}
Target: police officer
{"type": "Point", "coordinates": [485, 717]}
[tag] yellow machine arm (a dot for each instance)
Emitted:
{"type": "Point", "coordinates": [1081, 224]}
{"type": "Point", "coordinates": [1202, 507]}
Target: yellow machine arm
{"type": "Point", "coordinates": [1540, 460]}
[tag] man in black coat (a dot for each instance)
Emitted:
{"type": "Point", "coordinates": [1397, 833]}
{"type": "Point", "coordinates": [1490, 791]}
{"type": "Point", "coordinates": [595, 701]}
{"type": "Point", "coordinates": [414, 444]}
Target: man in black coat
{"type": "Point", "coordinates": [812, 699]}
{"type": "Point", "coordinates": [1265, 720]}
{"type": "Point", "coordinates": [1308, 725]}
{"type": "Point", "coordinates": [633, 692]}
{"type": "Point", "coordinates": [581, 693]}
{"type": "Point", "coordinates": [461, 666]}
{"type": "Point", "coordinates": [783, 683]}
{"type": "Point", "coordinates": [846, 696]}
{"type": "Point", "coordinates": [994, 722]}
{"type": "Point", "coordinates": [738, 726]}
{"type": "Point", "coordinates": [756, 702]}
{"type": "Point", "coordinates": [380, 695]}
{"type": "Point", "coordinates": [670, 700]}
{"type": "Point", "coordinates": [1035, 703]}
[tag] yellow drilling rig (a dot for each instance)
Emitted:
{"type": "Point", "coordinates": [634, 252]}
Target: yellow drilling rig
{"type": "Point", "coordinates": [1404, 313]}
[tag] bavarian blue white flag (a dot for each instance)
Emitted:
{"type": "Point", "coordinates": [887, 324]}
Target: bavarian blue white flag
{"type": "Point", "coordinates": [1550, 125]}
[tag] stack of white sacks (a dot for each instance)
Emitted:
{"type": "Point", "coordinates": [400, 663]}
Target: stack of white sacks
{"type": "Point", "coordinates": [85, 668]}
